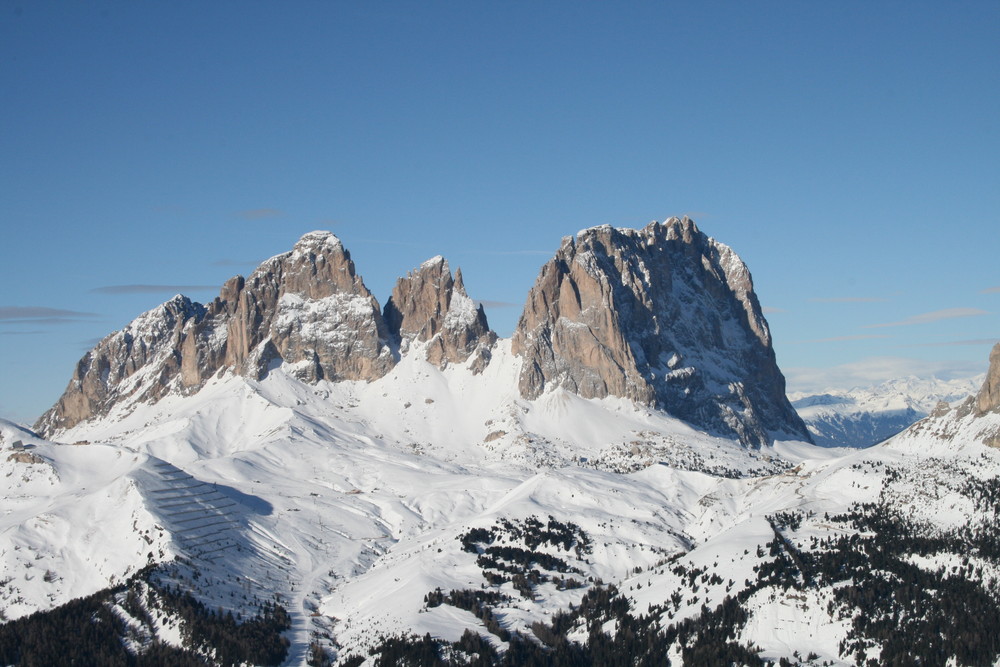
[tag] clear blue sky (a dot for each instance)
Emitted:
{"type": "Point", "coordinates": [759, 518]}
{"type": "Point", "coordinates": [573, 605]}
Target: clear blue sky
{"type": "Point", "coordinates": [848, 151]}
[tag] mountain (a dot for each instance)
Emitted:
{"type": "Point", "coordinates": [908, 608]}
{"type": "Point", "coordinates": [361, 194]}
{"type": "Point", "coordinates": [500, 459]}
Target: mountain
{"type": "Point", "coordinates": [275, 512]}
{"type": "Point", "coordinates": [384, 531]}
{"type": "Point", "coordinates": [988, 399]}
{"type": "Point", "coordinates": [306, 307]}
{"type": "Point", "coordinates": [664, 316]}
{"type": "Point", "coordinates": [431, 306]}
{"type": "Point", "coordinates": [863, 416]}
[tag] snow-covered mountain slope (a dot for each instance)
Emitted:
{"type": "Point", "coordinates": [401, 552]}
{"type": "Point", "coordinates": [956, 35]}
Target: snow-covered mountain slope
{"type": "Point", "coordinates": [786, 565]}
{"type": "Point", "coordinates": [415, 505]}
{"type": "Point", "coordinates": [286, 488]}
{"type": "Point", "coordinates": [863, 416]}
{"type": "Point", "coordinates": [287, 476]}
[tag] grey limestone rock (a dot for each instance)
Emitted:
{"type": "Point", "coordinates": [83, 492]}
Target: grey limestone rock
{"type": "Point", "coordinates": [988, 399]}
{"type": "Point", "coordinates": [663, 316]}
{"type": "Point", "coordinates": [306, 307]}
{"type": "Point", "coordinates": [430, 306]}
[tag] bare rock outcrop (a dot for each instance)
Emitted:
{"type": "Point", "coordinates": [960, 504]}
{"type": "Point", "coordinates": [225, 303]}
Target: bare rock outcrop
{"type": "Point", "coordinates": [430, 306]}
{"type": "Point", "coordinates": [139, 362]}
{"type": "Point", "coordinates": [988, 399]}
{"type": "Point", "coordinates": [325, 321]}
{"type": "Point", "coordinates": [663, 316]}
{"type": "Point", "coordinates": [307, 308]}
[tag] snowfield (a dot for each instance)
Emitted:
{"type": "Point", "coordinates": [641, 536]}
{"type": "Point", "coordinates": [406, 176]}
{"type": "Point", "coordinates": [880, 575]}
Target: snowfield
{"type": "Point", "coordinates": [351, 504]}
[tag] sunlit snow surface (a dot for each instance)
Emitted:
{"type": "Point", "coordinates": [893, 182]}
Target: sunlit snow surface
{"type": "Point", "coordinates": [347, 500]}
{"type": "Point", "coordinates": [864, 416]}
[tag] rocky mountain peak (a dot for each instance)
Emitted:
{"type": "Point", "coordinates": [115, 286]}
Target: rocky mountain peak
{"type": "Point", "coordinates": [430, 306]}
{"type": "Point", "coordinates": [137, 362]}
{"type": "Point", "coordinates": [988, 399]}
{"type": "Point", "coordinates": [307, 308]}
{"type": "Point", "coordinates": [664, 316]}
{"type": "Point", "coordinates": [319, 266]}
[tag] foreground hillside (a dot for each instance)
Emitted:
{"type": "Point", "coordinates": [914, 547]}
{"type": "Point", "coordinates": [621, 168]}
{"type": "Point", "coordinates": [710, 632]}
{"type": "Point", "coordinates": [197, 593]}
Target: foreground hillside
{"type": "Point", "coordinates": [630, 533]}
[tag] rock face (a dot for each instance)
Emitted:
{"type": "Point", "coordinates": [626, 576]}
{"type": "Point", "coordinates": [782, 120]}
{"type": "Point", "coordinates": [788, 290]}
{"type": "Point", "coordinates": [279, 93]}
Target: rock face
{"type": "Point", "coordinates": [142, 360]}
{"type": "Point", "coordinates": [663, 316]}
{"type": "Point", "coordinates": [988, 399]}
{"type": "Point", "coordinates": [430, 306]}
{"type": "Point", "coordinates": [307, 308]}
{"type": "Point", "coordinates": [323, 319]}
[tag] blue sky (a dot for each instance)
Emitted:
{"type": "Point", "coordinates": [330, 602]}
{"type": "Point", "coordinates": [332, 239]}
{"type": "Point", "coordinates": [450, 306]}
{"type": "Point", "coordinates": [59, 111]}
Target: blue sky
{"type": "Point", "coordinates": [847, 151]}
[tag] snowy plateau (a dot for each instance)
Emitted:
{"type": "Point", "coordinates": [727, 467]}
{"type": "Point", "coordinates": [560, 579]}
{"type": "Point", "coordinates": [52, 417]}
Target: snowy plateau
{"type": "Point", "coordinates": [435, 516]}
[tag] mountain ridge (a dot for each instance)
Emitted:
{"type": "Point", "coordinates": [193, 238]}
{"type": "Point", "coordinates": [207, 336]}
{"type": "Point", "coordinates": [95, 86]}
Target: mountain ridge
{"type": "Point", "coordinates": [309, 310]}
{"type": "Point", "coordinates": [371, 522]}
{"type": "Point", "coordinates": [864, 416]}
{"type": "Point", "coordinates": [417, 514]}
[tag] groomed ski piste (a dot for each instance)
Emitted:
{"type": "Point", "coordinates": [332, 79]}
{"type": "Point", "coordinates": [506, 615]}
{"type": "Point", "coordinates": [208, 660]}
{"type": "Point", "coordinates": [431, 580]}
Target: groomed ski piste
{"type": "Point", "coordinates": [347, 503]}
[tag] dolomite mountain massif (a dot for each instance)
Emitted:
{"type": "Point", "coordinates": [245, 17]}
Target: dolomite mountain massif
{"type": "Point", "coordinates": [307, 308]}
{"type": "Point", "coordinates": [664, 316]}
{"type": "Point", "coordinates": [292, 475]}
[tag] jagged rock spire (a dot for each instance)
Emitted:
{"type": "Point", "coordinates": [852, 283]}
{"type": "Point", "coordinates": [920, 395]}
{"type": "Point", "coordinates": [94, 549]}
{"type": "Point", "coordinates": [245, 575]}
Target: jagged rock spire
{"type": "Point", "coordinates": [663, 316]}
{"type": "Point", "coordinates": [988, 399]}
{"type": "Point", "coordinates": [429, 306]}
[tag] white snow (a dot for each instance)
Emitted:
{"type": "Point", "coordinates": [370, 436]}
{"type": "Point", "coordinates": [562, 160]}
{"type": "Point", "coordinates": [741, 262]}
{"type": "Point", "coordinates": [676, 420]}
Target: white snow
{"type": "Point", "coordinates": [347, 499]}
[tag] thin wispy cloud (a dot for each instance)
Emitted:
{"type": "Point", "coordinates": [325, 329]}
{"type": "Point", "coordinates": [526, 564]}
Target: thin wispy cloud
{"type": "Point", "coordinates": [847, 299]}
{"type": "Point", "coordinates": [407, 244]}
{"type": "Point", "coordinates": [839, 339]}
{"type": "Point", "coordinates": [933, 316]}
{"type": "Point", "coordinates": [235, 262]}
{"type": "Point", "coordinates": [951, 343]}
{"type": "Point", "coordinates": [172, 209]}
{"type": "Point", "coordinates": [260, 213]}
{"type": "Point", "coordinates": [40, 315]}
{"type": "Point", "coordinates": [151, 289]}
{"type": "Point", "coordinates": [990, 290]}
{"type": "Point", "coordinates": [511, 252]}
{"type": "Point", "coordinates": [22, 333]}
{"type": "Point", "coordinates": [874, 370]}
{"type": "Point", "coordinates": [768, 310]}
{"type": "Point", "coordinates": [45, 321]}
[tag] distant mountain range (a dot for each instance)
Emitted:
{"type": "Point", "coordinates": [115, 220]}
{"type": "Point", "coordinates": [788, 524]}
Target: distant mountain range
{"type": "Point", "coordinates": [864, 416]}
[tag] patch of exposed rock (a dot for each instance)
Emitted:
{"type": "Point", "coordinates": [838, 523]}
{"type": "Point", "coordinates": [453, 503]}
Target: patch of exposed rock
{"type": "Point", "coordinates": [307, 308]}
{"type": "Point", "coordinates": [430, 306]}
{"type": "Point", "coordinates": [663, 316]}
{"type": "Point", "coordinates": [325, 321]}
{"type": "Point", "coordinates": [988, 399]}
{"type": "Point", "coordinates": [143, 360]}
